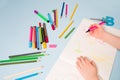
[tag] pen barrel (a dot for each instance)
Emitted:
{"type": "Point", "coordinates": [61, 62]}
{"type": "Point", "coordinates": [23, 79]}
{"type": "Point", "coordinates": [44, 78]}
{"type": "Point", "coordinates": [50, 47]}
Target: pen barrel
{"type": "Point", "coordinates": [53, 27]}
{"type": "Point", "coordinates": [93, 28]}
{"type": "Point", "coordinates": [40, 15]}
{"type": "Point", "coordinates": [66, 10]}
{"type": "Point", "coordinates": [45, 31]}
{"type": "Point", "coordinates": [46, 39]}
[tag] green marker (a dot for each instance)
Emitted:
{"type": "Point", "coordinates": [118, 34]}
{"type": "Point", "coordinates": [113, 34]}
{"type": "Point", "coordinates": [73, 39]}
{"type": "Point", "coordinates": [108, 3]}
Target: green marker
{"type": "Point", "coordinates": [40, 35]}
{"type": "Point", "coordinates": [69, 32]}
{"type": "Point", "coordinates": [41, 16]}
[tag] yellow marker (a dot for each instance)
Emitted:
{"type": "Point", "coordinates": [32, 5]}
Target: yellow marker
{"type": "Point", "coordinates": [67, 27]}
{"type": "Point", "coordinates": [76, 6]}
{"type": "Point", "coordinates": [44, 45]}
{"type": "Point", "coordinates": [56, 17]}
{"type": "Point", "coordinates": [33, 45]}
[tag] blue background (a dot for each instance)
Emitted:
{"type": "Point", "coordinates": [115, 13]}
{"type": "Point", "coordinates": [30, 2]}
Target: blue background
{"type": "Point", "coordinates": [16, 17]}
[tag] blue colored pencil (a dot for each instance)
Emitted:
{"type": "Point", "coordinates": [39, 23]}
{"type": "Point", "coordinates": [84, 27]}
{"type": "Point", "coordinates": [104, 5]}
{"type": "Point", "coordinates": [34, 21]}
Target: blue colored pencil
{"type": "Point", "coordinates": [28, 76]}
{"type": "Point", "coordinates": [62, 9]}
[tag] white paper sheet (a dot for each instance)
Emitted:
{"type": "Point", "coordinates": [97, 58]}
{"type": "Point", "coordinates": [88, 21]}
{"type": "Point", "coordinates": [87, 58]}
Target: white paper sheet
{"type": "Point", "coordinates": [82, 44]}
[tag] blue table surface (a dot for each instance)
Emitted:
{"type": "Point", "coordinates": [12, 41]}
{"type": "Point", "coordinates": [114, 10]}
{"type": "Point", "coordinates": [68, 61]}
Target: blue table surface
{"type": "Point", "coordinates": [16, 17]}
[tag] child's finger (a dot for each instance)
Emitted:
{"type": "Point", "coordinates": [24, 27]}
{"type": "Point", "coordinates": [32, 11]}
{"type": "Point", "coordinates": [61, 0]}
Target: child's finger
{"type": "Point", "coordinates": [82, 60]}
{"type": "Point", "coordinates": [78, 64]}
{"type": "Point", "coordinates": [78, 67]}
{"type": "Point", "coordinates": [93, 63]}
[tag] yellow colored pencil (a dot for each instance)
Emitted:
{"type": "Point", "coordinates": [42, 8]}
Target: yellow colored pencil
{"type": "Point", "coordinates": [24, 72]}
{"type": "Point", "coordinates": [67, 27]}
{"type": "Point", "coordinates": [76, 6]}
{"type": "Point", "coordinates": [56, 17]}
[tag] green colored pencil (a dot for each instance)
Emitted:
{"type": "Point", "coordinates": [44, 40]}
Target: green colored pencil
{"type": "Point", "coordinates": [27, 56]}
{"type": "Point", "coordinates": [17, 61]}
{"type": "Point", "coordinates": [69, 32]}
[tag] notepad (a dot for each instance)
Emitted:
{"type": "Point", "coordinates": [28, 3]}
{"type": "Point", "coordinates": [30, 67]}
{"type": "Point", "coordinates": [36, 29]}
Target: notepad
{"type": "Point", "coordinates": [82, 44]}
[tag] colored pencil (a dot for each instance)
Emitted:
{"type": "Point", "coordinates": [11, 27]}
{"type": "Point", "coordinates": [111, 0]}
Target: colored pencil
{"type": "Point", "coordinates": [75, 8]}
{"type": "Point", "coordinates": [56, 18]}
{"type": "Point", "coordinates": [54, 12]}
{"type": "Point", "coordinates": [18, 61]}
{"type": "Point", "coordinates": [26, 54]}
{"type": "Point", "coordinates": [62, 10]}
{"type": "Point", "coordinates": [69, 32]}
{"type": "Point", "coordinates": [67, 27]}
{"type": "Point", "coordinates": [24, 72]}
{"type": "Point", "coordinates": [66, 11]}
{"type": "Point", "coordinates": [29, 56]}
{"type": "Point", "coordinates": [28, 76]}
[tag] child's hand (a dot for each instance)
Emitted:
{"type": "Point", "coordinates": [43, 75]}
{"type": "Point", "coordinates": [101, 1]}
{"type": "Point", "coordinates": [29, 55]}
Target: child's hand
{"type": "Point", "coordinates": [87, 68]}
{"type": "Point", "coordinates": [98, 32]}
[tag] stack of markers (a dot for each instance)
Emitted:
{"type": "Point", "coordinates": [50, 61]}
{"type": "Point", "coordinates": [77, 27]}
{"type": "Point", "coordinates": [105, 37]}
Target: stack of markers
{"type": "Point", "coordinates": [38, 37]}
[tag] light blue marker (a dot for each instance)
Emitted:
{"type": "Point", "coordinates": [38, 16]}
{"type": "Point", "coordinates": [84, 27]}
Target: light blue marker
{"type": "Point", "coordinates": [37, 38]}
{"type": "Point", "coordinates": [50, 19]}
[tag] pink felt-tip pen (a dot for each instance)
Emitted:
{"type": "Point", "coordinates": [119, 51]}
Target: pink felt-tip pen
{"type": "Point", "coordinates": [94, 27]}
{"type": "Point", "coordinates": [91, 29]}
